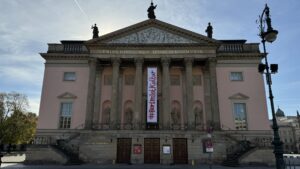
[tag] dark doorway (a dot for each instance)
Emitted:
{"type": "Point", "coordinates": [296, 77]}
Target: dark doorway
{"type": "Point", "coordinates": [180, 153]}
{"type": "Point", "coordinates": [123, 150]}
{"type": "Point", "coordinates": [151, 151]}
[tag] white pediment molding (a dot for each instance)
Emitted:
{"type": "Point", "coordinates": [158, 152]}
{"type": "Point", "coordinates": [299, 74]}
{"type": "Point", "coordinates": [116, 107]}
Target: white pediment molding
{"type": "Point", "coordinates": [152, 35]}
{"type": "Point", "coordinates": [67, 95]}
{"type": "Point", "coordinates": [239, 96]}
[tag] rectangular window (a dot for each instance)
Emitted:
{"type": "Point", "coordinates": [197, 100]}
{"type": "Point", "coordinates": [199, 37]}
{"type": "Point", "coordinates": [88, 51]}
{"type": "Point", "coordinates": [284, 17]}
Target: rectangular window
{"type": "Point", "coordinates": [240, 116]}
{"type": "Point", "coordinates": [107, 79]}
{"type": "Point", "coordinates": [129, 80]}
{"type": "Point", "coordinates": [175, 80]}
{"type": "Point", "coordinates": [69, 76]}
{"type": "Point", "coordinates": [65, 115]}
{"type": "Point", "coordinates": [236, 76]}
{"type": "Point", "coordinates": [197, 80]}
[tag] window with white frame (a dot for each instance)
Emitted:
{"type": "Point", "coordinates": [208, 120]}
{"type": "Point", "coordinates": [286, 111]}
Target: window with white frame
{"type": "Point", "coordinates": [65, 115]}
{"type": "Point", "coordinates": [236, 76]}
{"type": "Point", "coordinates": [240, 118]}
{"type": "Point", "coordinates": [69, 76]}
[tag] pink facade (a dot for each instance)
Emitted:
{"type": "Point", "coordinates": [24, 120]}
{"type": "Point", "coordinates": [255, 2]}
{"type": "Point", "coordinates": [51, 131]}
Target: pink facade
{"type": "Point", "coordinates": [198, 101]}
{"type": "Point", "coordinates": [53, 87]}
{"type": "Point", "coordinates": [252, 86]}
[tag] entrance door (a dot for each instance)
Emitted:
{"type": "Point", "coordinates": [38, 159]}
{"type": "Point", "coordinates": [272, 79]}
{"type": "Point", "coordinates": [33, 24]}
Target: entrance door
{"type": "Point", "coordinates": [123, 150]}
{"type": "Point", "coordinates": [151, 151]}
{"type": "Point", "coordinates": [180, 153]}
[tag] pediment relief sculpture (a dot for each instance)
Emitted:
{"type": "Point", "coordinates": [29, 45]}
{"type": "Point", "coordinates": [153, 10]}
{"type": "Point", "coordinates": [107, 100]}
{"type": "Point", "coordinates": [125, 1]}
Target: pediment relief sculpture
{"type": "Point", "coordinates": [152, 35]}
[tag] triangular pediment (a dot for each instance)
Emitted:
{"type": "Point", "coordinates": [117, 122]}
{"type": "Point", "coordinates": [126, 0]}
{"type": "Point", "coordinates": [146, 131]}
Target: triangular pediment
{"type": "Point", "coordinates": [153, 31]}
{"type": "Point", "coordinates": [239, 96]}
{"type": "Point", "coordinates": [67, 95]}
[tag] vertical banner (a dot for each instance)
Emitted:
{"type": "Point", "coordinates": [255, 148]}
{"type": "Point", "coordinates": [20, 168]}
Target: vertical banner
{"type": "Point", "coordinates": [152, 95]}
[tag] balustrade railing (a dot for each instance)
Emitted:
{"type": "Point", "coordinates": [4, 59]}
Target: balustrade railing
{"type": "Point", "coordinates": [67, 48]}
{"type": "Point", "coordinates": [238, 48]}
{"type": "Point", "coordinates": [143, 126]}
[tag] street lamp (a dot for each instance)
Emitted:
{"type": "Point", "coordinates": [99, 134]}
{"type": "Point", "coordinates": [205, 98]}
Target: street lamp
{"type": "Point", "coordinates": [270, 36]}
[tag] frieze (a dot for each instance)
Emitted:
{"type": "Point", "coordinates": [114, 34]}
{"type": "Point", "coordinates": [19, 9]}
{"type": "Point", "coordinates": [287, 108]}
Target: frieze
{"type": "Point", "coordinates": [152, 35]}
{"type": "Point", "coordinates": [154, 51]}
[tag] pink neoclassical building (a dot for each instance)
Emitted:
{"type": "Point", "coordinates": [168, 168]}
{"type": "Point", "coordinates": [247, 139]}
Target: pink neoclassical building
{"type": "Point", "coordinates": [150, 92]}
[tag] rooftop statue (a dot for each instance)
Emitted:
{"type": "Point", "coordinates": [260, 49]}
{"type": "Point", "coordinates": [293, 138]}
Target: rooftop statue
{"type": "Point", "coordinates": [209, 30]}
{"type": "Point", "coordinates": [150, 10]}
{"type": "Point", "coordinates": [95, 31]}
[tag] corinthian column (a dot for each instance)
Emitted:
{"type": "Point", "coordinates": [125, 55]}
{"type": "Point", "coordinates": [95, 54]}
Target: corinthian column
{"type": "Point", "coordinates": [97, 96]}
{"type": "Point", "coordinates": [90, 95]}
{"type": "Point", "coordinates": [138, 90]}
{"type": "Point", "coordinates": [166, 92]}
{"type": "Point", "coordinates": [214, 93]}
{"type": "Point", "coordinates": [114, 115]}
{"type": "Point", "coordinates": [189, 90]}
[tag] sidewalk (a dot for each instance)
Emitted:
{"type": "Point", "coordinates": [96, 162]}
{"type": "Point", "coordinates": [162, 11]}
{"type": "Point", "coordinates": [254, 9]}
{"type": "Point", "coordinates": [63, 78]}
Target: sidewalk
{"type": "Point", "coordinates": [125, 166]}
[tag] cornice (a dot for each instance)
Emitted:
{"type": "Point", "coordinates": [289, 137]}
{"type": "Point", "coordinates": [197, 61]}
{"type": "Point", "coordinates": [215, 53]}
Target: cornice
{"type": "Point", "coordinates": [239, 55]}
{"type": "Point", "coordinates": [72, 56]}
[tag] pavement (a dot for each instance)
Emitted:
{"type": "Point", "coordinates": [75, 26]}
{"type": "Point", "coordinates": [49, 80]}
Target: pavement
{"type": "Point", "coordinates": [125, 166]}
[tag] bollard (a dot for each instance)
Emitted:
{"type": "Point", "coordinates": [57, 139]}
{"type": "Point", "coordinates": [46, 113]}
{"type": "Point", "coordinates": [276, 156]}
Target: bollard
{"type": "Point", "coordinates": [113, 162]}
{"type": "Point", "coordinates": [193, 162]}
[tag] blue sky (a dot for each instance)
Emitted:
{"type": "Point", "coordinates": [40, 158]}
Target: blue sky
{"type": "Point", "coordinates": [27, 26]}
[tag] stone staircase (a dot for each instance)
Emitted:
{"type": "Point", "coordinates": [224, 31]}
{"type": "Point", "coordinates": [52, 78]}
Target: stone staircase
{"type": "Point", "coordinates": [69, 150]}
{"type": "Point", "coordinates": [235, 152]}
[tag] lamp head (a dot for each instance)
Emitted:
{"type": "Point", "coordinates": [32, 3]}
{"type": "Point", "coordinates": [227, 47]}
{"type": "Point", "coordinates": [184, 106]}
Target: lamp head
{"type": "Point", "coordinates": [270, 35]}
{"type": "Point", "coordinates": [274, 68]}
{"type": "Point", "coordinates": [261, 68]}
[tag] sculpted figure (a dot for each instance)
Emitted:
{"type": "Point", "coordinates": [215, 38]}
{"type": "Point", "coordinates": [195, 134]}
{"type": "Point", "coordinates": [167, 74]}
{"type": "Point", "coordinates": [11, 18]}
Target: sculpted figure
{"type": "Point", "coordinates": [128, 115]}
{"type": "Point", "coordinates": [95, 31]}
{"type": "Point", "coordinates": [209, 30]}
{"type": "Point", "coordinates": [150, 10]}
{"type": "Point", "coordinates": [198, 115]}
{"type": "Point", "coordinates": [106, 115]}
{"type": "Point", "coordinates": [175, 116]}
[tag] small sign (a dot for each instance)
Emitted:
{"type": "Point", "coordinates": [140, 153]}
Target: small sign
{"type": "Point", "coordinates": [166, 149]}
{"type": "Point", "coordinates": [137, 149]}
{"type": "Point", "coordinates": [207, 146]}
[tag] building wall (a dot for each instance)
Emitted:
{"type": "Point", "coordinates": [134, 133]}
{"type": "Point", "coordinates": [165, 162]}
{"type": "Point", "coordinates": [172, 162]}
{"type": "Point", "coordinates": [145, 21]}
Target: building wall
{"type": "Point", "coordinates": [252, 86]}
{"type": "Point", "coordinates": [54, 86]}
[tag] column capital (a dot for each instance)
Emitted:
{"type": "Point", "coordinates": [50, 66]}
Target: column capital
{"type": "Point", "coordinates": [165, 61]}
{"type": "Point", "coordinates": [116, 61]}
{"type": "Point", "coordinates": [139, 61]}
{"type": "Point", "coordinates": [212, 60]}
{"type": "Point", "coordinates": [92, 60]}
{"type": "Point", "coordinates": [188, 60]}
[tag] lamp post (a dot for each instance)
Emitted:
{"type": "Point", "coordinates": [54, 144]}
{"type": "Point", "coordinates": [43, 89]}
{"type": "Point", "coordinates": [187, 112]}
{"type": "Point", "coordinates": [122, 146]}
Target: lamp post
{"type": "Point", "coordinates": [270, 36]}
